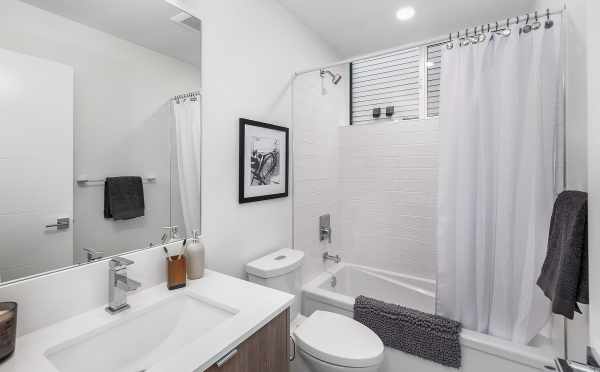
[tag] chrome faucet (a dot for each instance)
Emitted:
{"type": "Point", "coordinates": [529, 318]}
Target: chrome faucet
{"type": "Point", "coordinates": [170, 234]}
{"type": "Point", "coordinates": [119, 285]}
{"type": "Point", "coordinates": [328, 257]}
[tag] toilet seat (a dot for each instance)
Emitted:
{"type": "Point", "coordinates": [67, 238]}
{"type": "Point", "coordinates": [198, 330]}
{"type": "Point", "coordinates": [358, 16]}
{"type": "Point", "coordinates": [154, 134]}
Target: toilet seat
{"type": "Point", "coordinates": [339, 340]}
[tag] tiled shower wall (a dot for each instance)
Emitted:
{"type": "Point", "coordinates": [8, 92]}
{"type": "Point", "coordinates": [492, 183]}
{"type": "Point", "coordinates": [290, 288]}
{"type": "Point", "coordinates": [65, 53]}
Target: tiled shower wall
{"type": "Point", "coordinates": [377, 181]}
{"type": "Point", "coordinates": [387, 195]}
{"type": "Point", "coordinates": [317, 118]}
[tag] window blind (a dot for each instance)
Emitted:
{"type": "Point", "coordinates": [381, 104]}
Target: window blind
{"type": "Point", "coordinates": [388, 80]}
{"type": "Point", "coordinates": [434, 69]}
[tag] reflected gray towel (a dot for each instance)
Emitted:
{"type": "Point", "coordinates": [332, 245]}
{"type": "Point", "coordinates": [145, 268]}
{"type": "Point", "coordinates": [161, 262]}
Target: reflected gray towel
{"type": "Point", "coordinates": [427, 336]}
{"type": "Point", "coordinates": [564, 276]}
{"type": "Point", "coordinates": [123, 198]}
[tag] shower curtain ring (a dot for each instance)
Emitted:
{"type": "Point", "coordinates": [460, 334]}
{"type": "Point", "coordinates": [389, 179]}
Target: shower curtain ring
{"type": "Point", "coordinates": [450, 43]}
{"type": "Point", "coordinates": [537, 24]}
{"type": "Point", "coordinates": [527, 28]}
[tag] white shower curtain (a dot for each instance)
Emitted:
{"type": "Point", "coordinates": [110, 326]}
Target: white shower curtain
{"type": "Point", "coordinates": [188, 136]}
{"type": "Point", "coordinates": [501, 123]}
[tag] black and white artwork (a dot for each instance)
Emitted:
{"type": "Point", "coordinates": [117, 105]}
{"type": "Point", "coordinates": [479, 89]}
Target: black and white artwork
{"type": "Point", "coordinates": [263, 161]}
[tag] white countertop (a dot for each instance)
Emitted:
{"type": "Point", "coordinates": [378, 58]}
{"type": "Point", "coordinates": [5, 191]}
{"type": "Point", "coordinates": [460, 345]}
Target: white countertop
{"type": "Point", "coordinates": [257, 306]}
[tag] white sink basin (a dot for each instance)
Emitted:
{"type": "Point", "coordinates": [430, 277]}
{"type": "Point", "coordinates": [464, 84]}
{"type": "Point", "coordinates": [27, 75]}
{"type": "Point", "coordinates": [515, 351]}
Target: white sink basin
{"type": "Point", "coordinates": [140, 339]}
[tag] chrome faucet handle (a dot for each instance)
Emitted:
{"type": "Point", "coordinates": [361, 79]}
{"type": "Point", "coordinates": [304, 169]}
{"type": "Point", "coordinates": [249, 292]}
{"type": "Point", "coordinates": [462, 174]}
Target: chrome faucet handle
{"type": "Point", "coordinates": [325, 234]}
{"type": "Point", "coordinates": [117, 263]}
{"type": "Point", "coordinates": [128, 285]}
{"type": "Point", "coordinates": [325, 228]}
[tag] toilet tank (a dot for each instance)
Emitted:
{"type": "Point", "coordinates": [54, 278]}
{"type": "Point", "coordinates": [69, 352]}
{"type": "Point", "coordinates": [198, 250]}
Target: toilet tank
{"type": "Point", "coordinates": [280, 270]}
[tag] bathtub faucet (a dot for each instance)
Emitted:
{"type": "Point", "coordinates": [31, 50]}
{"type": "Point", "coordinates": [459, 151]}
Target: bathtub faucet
{"type": "Point", "coordinates": [328, 257]}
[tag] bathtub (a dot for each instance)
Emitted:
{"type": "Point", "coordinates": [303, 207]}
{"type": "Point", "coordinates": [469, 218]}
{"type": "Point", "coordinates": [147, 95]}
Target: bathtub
{"type": "Point", "coordinates": [480, 352]}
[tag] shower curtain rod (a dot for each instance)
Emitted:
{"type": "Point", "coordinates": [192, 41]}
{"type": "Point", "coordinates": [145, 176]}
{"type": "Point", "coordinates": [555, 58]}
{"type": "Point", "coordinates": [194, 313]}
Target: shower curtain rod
{"type": "Point", "coordinates": [440, 39]}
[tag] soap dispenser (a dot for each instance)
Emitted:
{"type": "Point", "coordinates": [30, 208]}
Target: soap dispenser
{"type": "Point", "coordinates": [195, 256]}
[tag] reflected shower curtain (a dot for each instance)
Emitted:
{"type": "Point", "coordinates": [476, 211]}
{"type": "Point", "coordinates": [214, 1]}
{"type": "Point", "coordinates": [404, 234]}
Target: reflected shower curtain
{"type": "Point", "coordinates": [501, 124]}
{"type": "Point", "coordinates": [188, 135]}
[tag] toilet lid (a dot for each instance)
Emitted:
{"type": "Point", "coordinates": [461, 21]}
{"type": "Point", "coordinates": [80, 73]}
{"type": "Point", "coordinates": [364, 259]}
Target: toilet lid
{"type": "Point", "coordinates": [339, 340]}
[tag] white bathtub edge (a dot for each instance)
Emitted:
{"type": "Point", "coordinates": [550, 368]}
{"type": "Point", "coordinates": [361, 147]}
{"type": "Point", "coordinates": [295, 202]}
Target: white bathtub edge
{"type": "Point", "coordinates": [534, 357]}
{"type": "Point", "coordinates": [527, 355]}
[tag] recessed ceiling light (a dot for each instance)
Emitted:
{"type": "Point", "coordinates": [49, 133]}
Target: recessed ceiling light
{"type": "Point", "coordinates": [406, 13]}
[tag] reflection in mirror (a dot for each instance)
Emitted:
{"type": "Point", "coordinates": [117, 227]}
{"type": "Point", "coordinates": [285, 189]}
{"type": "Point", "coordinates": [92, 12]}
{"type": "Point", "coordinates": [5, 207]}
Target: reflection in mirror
{"type": "Point", "coordinates": [93, 137]}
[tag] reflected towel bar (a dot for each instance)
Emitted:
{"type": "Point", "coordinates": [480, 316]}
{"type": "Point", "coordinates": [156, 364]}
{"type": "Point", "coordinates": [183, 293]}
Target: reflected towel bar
{"type": "Point", "coordinates": [83, 181]}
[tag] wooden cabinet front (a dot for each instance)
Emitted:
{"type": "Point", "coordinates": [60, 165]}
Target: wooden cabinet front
{"type": "Point", "coordinates": [265, 351]}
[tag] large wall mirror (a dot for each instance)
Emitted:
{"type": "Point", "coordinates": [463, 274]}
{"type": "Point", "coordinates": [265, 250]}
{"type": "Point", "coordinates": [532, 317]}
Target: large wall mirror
{"type": "Point", "coordinates": [101, 132]}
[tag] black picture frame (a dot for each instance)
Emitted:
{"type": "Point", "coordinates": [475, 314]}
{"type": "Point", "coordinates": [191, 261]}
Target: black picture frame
{"type": "Point", "coordinates": [255, 164]}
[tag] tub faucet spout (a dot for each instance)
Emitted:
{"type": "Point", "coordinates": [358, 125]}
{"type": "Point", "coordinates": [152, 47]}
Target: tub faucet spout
{"type": "Point", "coordinates": [328, 257]}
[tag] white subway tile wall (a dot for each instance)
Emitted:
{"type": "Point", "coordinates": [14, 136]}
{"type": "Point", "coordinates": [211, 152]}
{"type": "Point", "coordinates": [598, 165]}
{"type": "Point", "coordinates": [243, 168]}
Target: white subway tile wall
{"type": "Point", "coordinates": [387, 195]}
{"type": "Point", "coordinates": [317, 118]}
{"type": "Point", "coordinates": [378, 182]}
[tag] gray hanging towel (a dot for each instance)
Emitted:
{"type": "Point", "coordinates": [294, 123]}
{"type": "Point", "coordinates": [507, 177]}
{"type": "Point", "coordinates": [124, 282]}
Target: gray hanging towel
{"type": "Point", "coordinates": [564, 276]}
{"type": "Point", "coordinates": [123, 198]}
{"type": "Point", "coordinates": [428, 336]}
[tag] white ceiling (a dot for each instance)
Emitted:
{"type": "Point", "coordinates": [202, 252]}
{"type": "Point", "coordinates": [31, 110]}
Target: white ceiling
{"type": "Point", "coordinates": [355, 27]}
{"type": "Point", "coordinates": [143, 22]}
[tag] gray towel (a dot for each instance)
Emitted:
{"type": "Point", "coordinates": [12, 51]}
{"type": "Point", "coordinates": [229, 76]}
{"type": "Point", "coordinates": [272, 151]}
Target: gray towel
{"type": "Point", "coordinates": [123, 198]}
{"type": "Point", "coordinates": [564, 276]}
{"type": "Point", "coordinates": [427, 336]}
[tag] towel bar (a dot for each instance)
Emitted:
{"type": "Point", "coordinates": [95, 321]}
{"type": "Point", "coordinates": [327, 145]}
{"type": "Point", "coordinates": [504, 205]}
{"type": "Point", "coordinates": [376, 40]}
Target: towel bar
{"type": "Point", "coordinates": [82, 181]}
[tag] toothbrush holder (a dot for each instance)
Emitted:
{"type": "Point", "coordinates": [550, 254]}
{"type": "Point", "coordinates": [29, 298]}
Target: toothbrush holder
{"type": "Point", "coordinates": [8, 329]}
{"type": "Point", "coordinates": [176, 272]}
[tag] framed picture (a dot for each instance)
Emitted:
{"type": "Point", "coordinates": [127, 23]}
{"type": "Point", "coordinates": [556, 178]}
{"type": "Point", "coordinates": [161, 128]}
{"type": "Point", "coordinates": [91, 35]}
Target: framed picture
{"type": "Point", "coordinates": [263, 161]}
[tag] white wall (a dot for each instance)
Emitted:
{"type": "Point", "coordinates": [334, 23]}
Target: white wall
{"type": "Point", "coordinates": [576, 84]}
{"type": "Point", "coordinates": [576, 35]}
{"type": "Point", "coordinates": [378, 182]}
{"type": "Point", "coordinates": [317, 118]}
{"type": "Point", "coordinates": [250, 50]}
{"type": "Point", "coordinates": [122, 116]}
{"type": "Point", "coordinates": [388, 194]}
{"type": "Point", "coordinates": [593, 44]}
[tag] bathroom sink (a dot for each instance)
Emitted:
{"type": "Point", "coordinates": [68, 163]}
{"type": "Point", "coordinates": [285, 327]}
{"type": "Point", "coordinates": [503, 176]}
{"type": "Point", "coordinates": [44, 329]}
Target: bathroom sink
{"type": "Point", "coordinates": [141, 339]}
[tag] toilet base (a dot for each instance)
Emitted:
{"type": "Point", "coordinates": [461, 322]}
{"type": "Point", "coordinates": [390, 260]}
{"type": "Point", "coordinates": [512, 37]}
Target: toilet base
{"type": "Point", "coordinates": [315, 365]}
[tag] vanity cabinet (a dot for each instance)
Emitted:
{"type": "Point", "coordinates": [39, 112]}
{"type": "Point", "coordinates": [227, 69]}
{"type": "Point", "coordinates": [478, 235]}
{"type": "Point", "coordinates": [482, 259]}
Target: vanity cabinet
{"type": "Point", "coordinates": [265, 351]}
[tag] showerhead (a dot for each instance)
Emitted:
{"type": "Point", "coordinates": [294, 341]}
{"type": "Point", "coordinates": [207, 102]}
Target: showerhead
{"type": "Point", "coordinates": [335, 78]}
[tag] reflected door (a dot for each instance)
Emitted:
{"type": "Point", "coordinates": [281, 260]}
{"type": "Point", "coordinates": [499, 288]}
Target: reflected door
{"type": "Point", "coordinates": [36, 165]}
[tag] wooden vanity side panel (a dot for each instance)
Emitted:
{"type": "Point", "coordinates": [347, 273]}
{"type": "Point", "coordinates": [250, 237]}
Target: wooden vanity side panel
{"type": "Point", "coordinates": [265, 351]}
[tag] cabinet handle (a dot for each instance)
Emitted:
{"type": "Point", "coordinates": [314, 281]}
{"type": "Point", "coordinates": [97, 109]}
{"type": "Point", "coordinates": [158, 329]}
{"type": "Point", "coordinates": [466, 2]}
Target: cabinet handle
{"type": "Point", "coordinates": [226, 358]}
{"type": "Point", "coordinates": [293, 357]}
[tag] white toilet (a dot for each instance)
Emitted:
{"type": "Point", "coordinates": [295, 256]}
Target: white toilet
{"type": "Point", "coordinates": [327, 342]}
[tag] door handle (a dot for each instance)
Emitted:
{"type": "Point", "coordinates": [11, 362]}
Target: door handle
{"type": "Point", "coordinates": [61, 224]}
